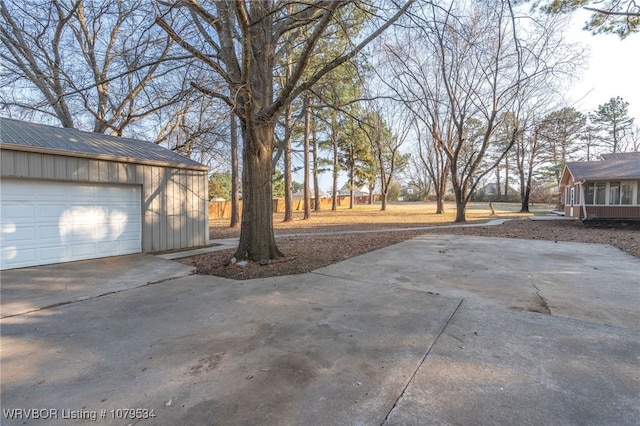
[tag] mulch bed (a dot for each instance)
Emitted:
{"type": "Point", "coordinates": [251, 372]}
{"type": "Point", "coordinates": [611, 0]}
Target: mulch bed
{"type": "Point", "coordinates": [307, 253]}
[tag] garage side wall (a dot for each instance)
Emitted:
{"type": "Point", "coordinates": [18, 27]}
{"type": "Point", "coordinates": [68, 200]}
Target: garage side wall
{"type": "Point", "coordinates": [174, 200]}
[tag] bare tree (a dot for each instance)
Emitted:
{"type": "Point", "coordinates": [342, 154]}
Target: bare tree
{"type": "Point", "coordinates": [417, 82]}
{"type": "Point", "coordinates": [634, 139]}
{"type": "Point", "coordinates": [192, 127]}
{"type": "Point", "coordinates": [386, 143]}
{"type": "Point", "coordinates": [89, 65]}
{"type": "Point", "coordinates": [437, 165]}
{"type": "Point", "coordinates": [479, 68]}
{"type": "Point", "coordinates": [240, 41]}
{"type": "Point", "coordinates": [417, 176]}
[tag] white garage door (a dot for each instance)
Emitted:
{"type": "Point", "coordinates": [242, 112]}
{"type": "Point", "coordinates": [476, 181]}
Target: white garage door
{"type": "Point", "coordinates": [53, 222]}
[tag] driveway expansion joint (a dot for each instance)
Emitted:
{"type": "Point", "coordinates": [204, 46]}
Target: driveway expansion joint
{"type": "Point", "coordinates": [424, 358]}
{"type": "Point", "coordinates": [84, 299]}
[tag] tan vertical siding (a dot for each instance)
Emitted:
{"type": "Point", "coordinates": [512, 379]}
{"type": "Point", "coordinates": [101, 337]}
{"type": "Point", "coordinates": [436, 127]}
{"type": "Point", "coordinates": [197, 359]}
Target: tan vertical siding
{"type": "Point", "coordinates": [82, 172]}
{"type": "Point", "coordinates": [94, 171]}
{"type": "Point", "coordinates": [71, 166]}
{"type": "Point", "coordinates": [35, 166]}
{"type": "Point", "coordinates": [120, 172]}
{"type": "Point", "coordinates": [203, 208]}
{"type": "Point", "coordinates": [183, 206]}
{"type": "Point", "coordinates": [613, 212]}
{"type": "Point", "coordinates": [163, 212]}
{"type": "Point", "coordinates": [22, 164]}
{"type": "Point", "coordinates": [158, 201]}
{"type": "Point", "coordinates": [149, 212]}
{"type": "Point", "coordinates": [8, 163]}
{"type": "Point", "coordinates": [192, 202]}
{"type": "Point", "coordinates": [103, 171]}
{"type": "Point", "coordinates": [48, 167]}
{"type": "Point", "coordinates": [60, 167]}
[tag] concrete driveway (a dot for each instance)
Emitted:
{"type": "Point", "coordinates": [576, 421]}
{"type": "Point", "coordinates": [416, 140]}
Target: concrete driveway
{"type": "Point", "coordinates": [436, 330]}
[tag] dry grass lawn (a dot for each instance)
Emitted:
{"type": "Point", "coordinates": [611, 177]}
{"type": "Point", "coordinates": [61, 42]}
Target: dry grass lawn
{"type": "Point", "coordinates": [370, 217]}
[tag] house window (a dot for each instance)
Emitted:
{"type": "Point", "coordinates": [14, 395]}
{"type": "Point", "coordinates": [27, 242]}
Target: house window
{"type": "Point", "coordinates": [572, 196]}
{"type": "Point", "coordinates": [626, 193]}
{"type": "Point", "coordinates": [610, 193]}
{"type": "Point", "coordinates": [600, 193]}
{"type": "Point", "coordinates": [614, 193]}
{"type": "Point", "coordinates": [596, 193]}
{"type": "Point", "coordinates": [589, 193]}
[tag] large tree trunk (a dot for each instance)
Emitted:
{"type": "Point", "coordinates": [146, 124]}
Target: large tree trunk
{"type": "Point", "coordinates": [440, 177]}
{"type": "Point", "coordinates": [257, 241]}
{"type": "Point", "coordinates": [461, 207]}
{"type": "Point", "coordinates": [524, 208]}
{"type": "Point", "coordinates": [441, 189]}
{"type": "Point", "coordinates": [307, 119]}
{"type": "Point", "coordinates": [334, 197]}
{"type": "Point", "coordinates": [458, 190]}
{"type": "Point", "coordinates": [316, 186]}
{"type": "Point", "coordinates": [352, 181]}
{"type": "Point", "coordinates": [506, 177]}
{"type": "Point", "coordinates": [235, 193]}
{"type": "Point", "coordinates": [498, 190]}
{"type": "Point", "coordinates": [439, 204]}
{"type": "Point", "coordinates": [288, 177]}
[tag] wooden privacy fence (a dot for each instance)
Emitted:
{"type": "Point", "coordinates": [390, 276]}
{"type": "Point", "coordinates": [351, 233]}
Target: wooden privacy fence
{"type": "Point", "coordinates": [222, 209]}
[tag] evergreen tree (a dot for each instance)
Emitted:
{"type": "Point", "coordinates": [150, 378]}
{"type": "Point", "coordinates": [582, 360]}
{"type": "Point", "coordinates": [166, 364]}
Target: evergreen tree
{"type": "Point", "coordinates": [613, 122]}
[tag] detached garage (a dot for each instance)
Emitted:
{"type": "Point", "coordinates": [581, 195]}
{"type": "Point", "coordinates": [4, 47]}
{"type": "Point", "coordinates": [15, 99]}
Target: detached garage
{"type": "Point", "coordinates": [69, 195]}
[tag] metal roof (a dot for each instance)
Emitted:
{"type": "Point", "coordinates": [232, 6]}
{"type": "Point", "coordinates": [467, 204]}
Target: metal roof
{"type": "Point", "coordinates": [25, 136]}
{"type": "Point", "coordinates": [605, 170]}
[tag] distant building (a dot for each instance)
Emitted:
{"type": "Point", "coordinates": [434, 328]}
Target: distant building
{"type": "Point", "coordinates": [358, 192]}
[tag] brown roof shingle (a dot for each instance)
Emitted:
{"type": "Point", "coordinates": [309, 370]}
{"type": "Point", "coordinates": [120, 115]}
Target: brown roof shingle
{"type": "Point", "coordinates": [621, 156]}
{"type": "Point", "coordinates": [605, 170]}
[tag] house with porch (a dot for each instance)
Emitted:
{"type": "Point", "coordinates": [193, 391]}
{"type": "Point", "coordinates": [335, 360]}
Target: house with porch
{"type": "Point", "coordinates": [608, 189]}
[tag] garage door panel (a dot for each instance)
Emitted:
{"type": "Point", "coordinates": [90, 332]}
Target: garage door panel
{"type": "Point", "coordinates": [54, 254]}
{"type": "Point", "coordinates": [85, 192]}
{"type": "Point", "coordinates": [109, 247]}
{"type": "Point", "coordinates": [50, 192]}
{"type": "Point", "coordinates": [127, 245]}
{"type": "Point", "coordinates": [21, 256]}
{"type": "Point", "coordinates": [80, 231]}
{"type": "Point", "coordinates": [12, 233]}
{"type": "Point", "coordinates": [65, 221]}
{"type": "Point", "coordinates": [50, 210]}
{"type": "Point", "coordinates": [128, 236]}
{"type": "Point", "coordinates": [18, 212]}
{"type": "Point", "coordinates": [82, 250]}
{"type": "Point", "coordinates": [16, 192]}
{"type": "Point", "coordinates": [50, 232]}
